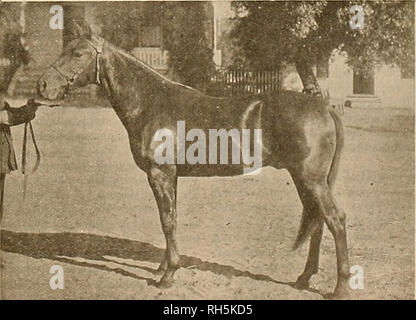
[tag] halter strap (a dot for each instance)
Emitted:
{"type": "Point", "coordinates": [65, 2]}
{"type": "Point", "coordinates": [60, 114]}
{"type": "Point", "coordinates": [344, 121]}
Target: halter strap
{"type": "Point", "coordinates": [60, 73]}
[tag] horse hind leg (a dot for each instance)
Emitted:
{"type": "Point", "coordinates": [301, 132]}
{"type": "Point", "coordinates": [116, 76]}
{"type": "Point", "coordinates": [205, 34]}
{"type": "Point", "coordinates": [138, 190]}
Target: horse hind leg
{"type": "Point", "coordinates": [311, 225]}
{"type": "Point", "coordinates": [312, 262]}
{"type": "Point", "coordinates": [316, 197]}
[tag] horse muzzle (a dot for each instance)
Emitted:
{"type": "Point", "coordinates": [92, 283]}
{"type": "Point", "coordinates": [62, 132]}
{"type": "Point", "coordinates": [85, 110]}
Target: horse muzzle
{"type": "Point", "coordinates": [52, 87]}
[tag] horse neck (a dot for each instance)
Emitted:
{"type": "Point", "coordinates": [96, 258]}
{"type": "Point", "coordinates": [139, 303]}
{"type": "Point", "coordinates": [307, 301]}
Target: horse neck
{"type": "Point", "coordinates": [127, 85]}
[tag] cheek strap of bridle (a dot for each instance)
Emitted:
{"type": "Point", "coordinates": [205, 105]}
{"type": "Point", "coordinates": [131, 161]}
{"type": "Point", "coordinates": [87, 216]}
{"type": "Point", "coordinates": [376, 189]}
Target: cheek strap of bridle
{"type": "Point", "coordinates": [99, 50]}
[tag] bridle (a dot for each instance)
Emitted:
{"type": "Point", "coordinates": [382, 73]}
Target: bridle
{"type": "Point", "coordinates": [71, 79]}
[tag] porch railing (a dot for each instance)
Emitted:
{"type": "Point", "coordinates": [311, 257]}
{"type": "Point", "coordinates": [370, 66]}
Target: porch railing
{"type": "Point", "coordinates": [154, 57]}
{"type": "Point", "coordinates": [236, 82]}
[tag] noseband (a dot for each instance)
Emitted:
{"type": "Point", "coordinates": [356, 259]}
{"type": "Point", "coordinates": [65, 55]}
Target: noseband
{"type": "Point", "coordinates": [71, 79]}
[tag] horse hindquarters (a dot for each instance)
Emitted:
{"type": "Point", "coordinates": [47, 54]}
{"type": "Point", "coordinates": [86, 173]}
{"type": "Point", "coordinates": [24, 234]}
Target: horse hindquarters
{"type": "Point", "coordinates": [314, 177]}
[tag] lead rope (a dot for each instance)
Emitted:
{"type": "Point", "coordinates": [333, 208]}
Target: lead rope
{"type": "Point", "coordinates": [24, 152]}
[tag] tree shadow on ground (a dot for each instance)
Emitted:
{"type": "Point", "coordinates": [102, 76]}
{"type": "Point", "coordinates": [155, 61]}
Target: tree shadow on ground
{"type": "Point", "coordinates": [64, 246]}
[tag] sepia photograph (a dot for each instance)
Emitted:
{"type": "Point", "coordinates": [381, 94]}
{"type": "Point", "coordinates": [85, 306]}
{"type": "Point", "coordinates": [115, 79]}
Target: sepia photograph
{"type": "Point", "coordinates": [207, 150]}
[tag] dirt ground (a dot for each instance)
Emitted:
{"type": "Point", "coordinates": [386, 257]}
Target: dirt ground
{"type": "Point", "coordinates": [91, 211]}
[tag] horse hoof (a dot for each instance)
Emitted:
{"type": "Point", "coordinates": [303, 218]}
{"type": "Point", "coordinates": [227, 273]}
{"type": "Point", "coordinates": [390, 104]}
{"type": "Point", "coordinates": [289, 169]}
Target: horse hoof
{"type": "Point", "coordinates": [159, 272]}
{"type": "Point", "coordinates": [301, 283]}
{"type": "Point", "coordinates": [339, 294]}
{"type": "Point", "coordinates": [164, 284]}
{"type": "Point", "coordinates": [162, 268]}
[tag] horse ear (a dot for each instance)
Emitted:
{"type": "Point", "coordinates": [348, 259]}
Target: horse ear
{"type": "Point", "coordinates": [82, 29]}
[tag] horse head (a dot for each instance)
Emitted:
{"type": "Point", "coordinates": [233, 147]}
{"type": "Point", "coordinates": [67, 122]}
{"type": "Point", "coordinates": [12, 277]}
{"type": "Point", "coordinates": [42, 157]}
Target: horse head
{"type": "Point", "coordinates": [78, 65]}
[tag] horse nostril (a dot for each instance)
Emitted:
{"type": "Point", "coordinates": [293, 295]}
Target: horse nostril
{"type": "Point", "coordinates": [42, 85]}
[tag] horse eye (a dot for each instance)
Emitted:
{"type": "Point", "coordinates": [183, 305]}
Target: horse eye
{"type": "Point", "coordinates": [72, 80]}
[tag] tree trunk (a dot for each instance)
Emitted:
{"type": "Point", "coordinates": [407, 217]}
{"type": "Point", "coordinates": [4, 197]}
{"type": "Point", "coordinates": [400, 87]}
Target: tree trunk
{"type": "Point", "coordinates": [304, 64]}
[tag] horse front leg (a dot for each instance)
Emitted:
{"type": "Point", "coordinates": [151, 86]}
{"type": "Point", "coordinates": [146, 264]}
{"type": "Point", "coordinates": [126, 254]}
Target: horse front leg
{"type": "Point", "coordinates": [163, 181]}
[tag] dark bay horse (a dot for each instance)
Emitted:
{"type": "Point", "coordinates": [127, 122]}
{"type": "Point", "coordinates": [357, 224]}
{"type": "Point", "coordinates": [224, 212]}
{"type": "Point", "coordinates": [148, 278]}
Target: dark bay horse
{"type": "Point", "coordinates": [299, 133]}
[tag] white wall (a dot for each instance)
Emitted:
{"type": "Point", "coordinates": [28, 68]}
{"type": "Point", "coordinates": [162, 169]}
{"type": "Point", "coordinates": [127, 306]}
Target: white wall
{"type": "Point", "coordinates": [392, 89]}
{"type": "Point", "coordinates": [388, 84]}
{"type": "Point", "coordinates": [340, 79]}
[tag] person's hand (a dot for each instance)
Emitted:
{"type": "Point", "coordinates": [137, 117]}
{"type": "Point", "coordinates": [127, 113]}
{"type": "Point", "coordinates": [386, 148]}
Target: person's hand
{"type": "Point", "coordinates": [30, 109]}
{"type": "Point", "coordinates": [23, 114]}
{"type": "Point", "coordinates": [30, 113]}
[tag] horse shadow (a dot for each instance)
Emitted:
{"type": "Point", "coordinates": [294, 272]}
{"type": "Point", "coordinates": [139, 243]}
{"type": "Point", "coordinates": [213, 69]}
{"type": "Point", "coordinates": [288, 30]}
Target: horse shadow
{"type": "Point", "coordinates": [66, 245]}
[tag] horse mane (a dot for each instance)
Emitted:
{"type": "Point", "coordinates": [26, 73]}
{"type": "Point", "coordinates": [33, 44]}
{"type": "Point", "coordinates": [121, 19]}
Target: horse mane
{"type": "Point", "coordinates": [149, 70]}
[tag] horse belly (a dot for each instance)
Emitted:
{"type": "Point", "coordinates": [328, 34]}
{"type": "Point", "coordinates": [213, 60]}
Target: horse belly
{"type": "Point", "coordinates": [210, 170]}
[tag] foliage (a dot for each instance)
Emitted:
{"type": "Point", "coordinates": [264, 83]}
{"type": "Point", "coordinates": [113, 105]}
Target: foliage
{"type": "Point", "coordinates": [9, 17]}
{"type": "Point", "coordinates": [270, 33]}
{"type": "Point", "coordinates": [11, 43]}
{"type": "Point", "coordinates": [183, 32]}
{"type": "Point", "coordinates": [190, 53]}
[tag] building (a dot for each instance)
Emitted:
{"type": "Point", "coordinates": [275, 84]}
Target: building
{"type": "Point", "coordinates": [388, 86]}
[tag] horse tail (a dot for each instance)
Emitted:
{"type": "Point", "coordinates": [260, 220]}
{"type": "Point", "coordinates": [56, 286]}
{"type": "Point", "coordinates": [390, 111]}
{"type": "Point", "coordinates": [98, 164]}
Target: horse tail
{"type": "Point", "coordinates": [310, 222]}
{"type": "Point", "coordinates": [339, 130]}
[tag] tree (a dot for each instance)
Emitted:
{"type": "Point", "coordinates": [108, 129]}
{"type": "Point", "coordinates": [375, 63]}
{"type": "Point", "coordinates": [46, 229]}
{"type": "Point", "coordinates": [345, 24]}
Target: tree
{"type": "Point", "coordinates": [13, 53]}
{"type": "Point", "coordinates": [183, 32]}
{"type": "Point", "coordinates": [273, 33]}
{"type": "Point", "coordinates": [190, 53]}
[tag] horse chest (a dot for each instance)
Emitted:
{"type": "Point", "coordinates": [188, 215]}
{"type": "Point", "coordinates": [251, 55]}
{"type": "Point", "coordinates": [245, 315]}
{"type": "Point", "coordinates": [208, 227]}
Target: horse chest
{"type": "Point", "coordinates": [138, 151]}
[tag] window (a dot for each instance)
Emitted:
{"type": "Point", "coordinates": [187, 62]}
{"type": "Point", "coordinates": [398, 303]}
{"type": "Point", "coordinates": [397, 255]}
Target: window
{"type": "Point", "coordinates": [363, 82]}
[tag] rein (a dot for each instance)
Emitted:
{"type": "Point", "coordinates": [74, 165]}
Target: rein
{"type": "Point", "coordinates": [31, 132]}
{"type": "Point", "coordinates": [24, 153]}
